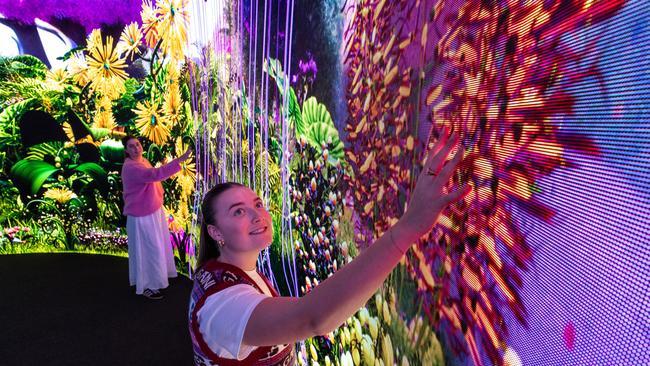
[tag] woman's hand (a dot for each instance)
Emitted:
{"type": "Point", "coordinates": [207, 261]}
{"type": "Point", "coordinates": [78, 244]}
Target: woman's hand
{"type": "Point", "coordinates": [427, 198]}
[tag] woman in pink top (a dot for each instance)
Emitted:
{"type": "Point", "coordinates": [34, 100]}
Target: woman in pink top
{"type": "Point", "coordinates": [151, 261]}
{"type": "Point", "coordinates": [237, 318]}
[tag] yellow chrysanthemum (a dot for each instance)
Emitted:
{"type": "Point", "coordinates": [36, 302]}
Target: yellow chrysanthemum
{"type": "Point", "coordinates": [56, 78]}
{"type": "Point", "coordinates": [150, 123]}
{"type": "Point", "coordinates": [172, 105]}
{"type": "Point", "coordinates": [106, 70]}
{"type": "Point", "coordinates": [172, 73]}
{"type": "Point", "coordinates": [78, 68]}
{"type": "Point", "coordinates": [57, 75]}
{"type": "Point", "coordinates": [172, 27]}
{"type": "Point", "coordinates": [60, 195]}
{"type": "Point", "coordinates": [149, 24]}
{"type": "Point", "coordinates": [127, 47]}
{"type": "Point", "coordinates": [105, 103]}
{"type": "Point", "coordinates": [104, 119]}
{"type": "Point", "coordinates": [180, 218]}
{"type": "Point", "coordinates": [187, 176]}
{"type": "Point", "coordinates": [94, 39]}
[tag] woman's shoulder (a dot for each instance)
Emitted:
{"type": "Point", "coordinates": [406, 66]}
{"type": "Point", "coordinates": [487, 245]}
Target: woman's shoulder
{"type": "Point", "coordinates": [135, 163]}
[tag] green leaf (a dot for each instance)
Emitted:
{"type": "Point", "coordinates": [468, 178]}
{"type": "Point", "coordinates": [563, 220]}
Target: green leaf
{"type": "Point", "coordinates": [29, 175]}
{"type": "Point", "coordinates": [29, 66]}
{"type": "Point", "coordinates": [93, 170]}
{"type": "Point", "coordinates": [99, 133]}
{"type": "Point", "coordinates": [41, 151]}
{"type": "Point", "coordinates": [315, 112]}
{"type": "Point", "coordinates": [12, 113]}
{"type": "Point", "coordinates": [112, 150]}
{"type": "Point", "coordinates": [274, 69]}
{"type": "Point", "coordinates": [294, 113]}
{"type": "Point", "coordinates": [69, 54]}
{"type": "Point", "coordinates": [324, 134]}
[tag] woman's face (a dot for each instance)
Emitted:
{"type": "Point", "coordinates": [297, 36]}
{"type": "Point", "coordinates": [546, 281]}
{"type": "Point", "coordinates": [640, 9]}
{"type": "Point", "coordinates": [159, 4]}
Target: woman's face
{"type": "Point", "coordinates": [242, 222]}
{"type": "Point", "coordinates": [134, 149]}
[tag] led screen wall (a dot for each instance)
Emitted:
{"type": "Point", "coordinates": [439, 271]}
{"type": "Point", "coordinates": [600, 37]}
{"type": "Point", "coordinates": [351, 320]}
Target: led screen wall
{"type": "Point", "coordinates": [587, 289]}
{"type": "Point", "coordinates": [547, 262]}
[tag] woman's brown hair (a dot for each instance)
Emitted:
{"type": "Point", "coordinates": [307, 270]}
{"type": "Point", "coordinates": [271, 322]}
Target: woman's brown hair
{"type": "Point", "coordinates": [125, 142]}
{"type": "Point", "coordinates": [208, 247]}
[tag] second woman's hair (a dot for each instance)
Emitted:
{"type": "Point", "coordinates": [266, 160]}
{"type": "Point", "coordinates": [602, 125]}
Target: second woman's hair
{"type": "Point", "coordinates": [125, 142]}
{"type": "Point", "coordinates": [208, 247]}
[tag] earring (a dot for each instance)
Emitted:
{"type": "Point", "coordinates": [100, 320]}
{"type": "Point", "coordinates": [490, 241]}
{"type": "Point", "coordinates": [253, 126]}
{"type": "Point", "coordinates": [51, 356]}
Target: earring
{"type": "Point", "coordinates": [220, 243]}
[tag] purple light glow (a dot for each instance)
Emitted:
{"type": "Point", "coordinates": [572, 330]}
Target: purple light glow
{"type": "Point", "coordinates": [90, 14]}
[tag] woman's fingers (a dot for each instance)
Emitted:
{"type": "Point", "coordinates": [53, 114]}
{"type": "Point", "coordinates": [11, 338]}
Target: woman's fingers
{"type": "Point", "coordinates": [436, 164]}
{"type": "Point", "coordinates": [442, 140]}
{"type": "Point", "coordinates": [457, 195]}
{"type": "Point", "coordinates": [449, 168]}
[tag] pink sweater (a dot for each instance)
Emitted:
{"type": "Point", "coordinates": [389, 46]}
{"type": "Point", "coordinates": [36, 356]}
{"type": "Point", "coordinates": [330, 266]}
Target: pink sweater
{"type": "Point", "coordinates": [143, 193]}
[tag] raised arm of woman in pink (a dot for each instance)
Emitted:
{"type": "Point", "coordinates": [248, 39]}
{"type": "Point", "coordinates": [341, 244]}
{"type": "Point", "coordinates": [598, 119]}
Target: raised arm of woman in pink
{"type": "Point", "coordinates": [141, 171]}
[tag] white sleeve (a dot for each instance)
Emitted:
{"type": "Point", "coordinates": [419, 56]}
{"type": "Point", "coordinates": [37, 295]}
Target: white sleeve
{"type": "Point", "coordinates": [223, 318]}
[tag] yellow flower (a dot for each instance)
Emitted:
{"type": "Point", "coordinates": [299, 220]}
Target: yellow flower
{"type": "Point", "coordinates": [149, 23]}
{"type": "Point", "coordinates": [363, 312]}
{"type": "Point", "coordinates": [172, 73]}
{"type": "Point", "coordinates": [94, 39]}
{"type": "Point", "coordinates": [172, 27]}
{"type": "Point", "coordinates": [387, 350]}
{"type": "Point", "coordinates": [104, 119]}
{"type": "Point", "coordinates": [106, 69]}
{"type": "Point", "coordinates": [56, 78]}
{"type": "Point", "coordinates": [105, 104]}
{"type": "Point", "coordinates": [60, 195]}
{"type": "Point", "coordinates": [373, 326]}
{"type": "Point", "coordinates": [78, 68]}
{"type": "Point", "coordinates": [367, 350]}
{"type": "Point", "coordinates": [172, 105]}
{"type": "Point", "coordinates": [57, 75]}
{"type": "Point", "coordinates": [150, 123]}
{"type": "Point", "coordinates": [357, 331]}
{"type": "Point", "coordinates": [180, 218]}
{"type": "Point", "coordinates": [187, 175]}
{"type": "Point", "coordinates": [386, 316]}
{"type": "Point", "coordinates": [129, 41]}
{"type": "Point", "coordinates": [312, 351]}
{"type": "Point", "coordinates": [356, 358]}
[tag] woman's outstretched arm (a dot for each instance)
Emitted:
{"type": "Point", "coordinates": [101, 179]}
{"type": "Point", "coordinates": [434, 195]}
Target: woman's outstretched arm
{"type": "Point", "coordinates": [286, 320]}
{"type": "Point", "coordinates": [142, 174]}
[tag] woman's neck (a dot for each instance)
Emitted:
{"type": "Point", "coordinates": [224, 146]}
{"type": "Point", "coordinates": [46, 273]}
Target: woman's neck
{"type": "Point", "coordinates": [244, 261]}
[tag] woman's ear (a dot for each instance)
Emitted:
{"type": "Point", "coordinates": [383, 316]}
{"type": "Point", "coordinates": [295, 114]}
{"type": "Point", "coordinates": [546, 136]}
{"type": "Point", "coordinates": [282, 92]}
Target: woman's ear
{"type": "Point", "coordinates": [214, 233]}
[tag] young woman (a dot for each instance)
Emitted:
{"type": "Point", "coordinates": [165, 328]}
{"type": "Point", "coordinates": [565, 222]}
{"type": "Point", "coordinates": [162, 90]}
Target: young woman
{"type": "Point", "coordinates": [151, 261]}
{"type": "Point", "coordinates": [237, 318]}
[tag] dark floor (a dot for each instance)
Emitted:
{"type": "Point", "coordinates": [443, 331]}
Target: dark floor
{"type": "Point", "coordinates": [78, 309]}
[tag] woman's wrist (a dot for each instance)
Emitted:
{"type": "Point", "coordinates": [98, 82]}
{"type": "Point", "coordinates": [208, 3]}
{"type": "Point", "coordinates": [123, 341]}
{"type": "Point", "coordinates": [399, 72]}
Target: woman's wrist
{"type": "Point", "coordinates": [402, 236]}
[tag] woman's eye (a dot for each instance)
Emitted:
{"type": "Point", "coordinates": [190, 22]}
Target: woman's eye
{"type": "Point", "coordinates": [238, 212]}
{"type": "Point", "coordinates": [259, 205]}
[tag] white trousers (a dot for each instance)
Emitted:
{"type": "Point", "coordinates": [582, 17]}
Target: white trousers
{"type": "Point", "coordinates": [151, 259]}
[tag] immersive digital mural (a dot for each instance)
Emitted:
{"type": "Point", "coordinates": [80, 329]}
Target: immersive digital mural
{"type": "Point", "coordinates": [325, 108]}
